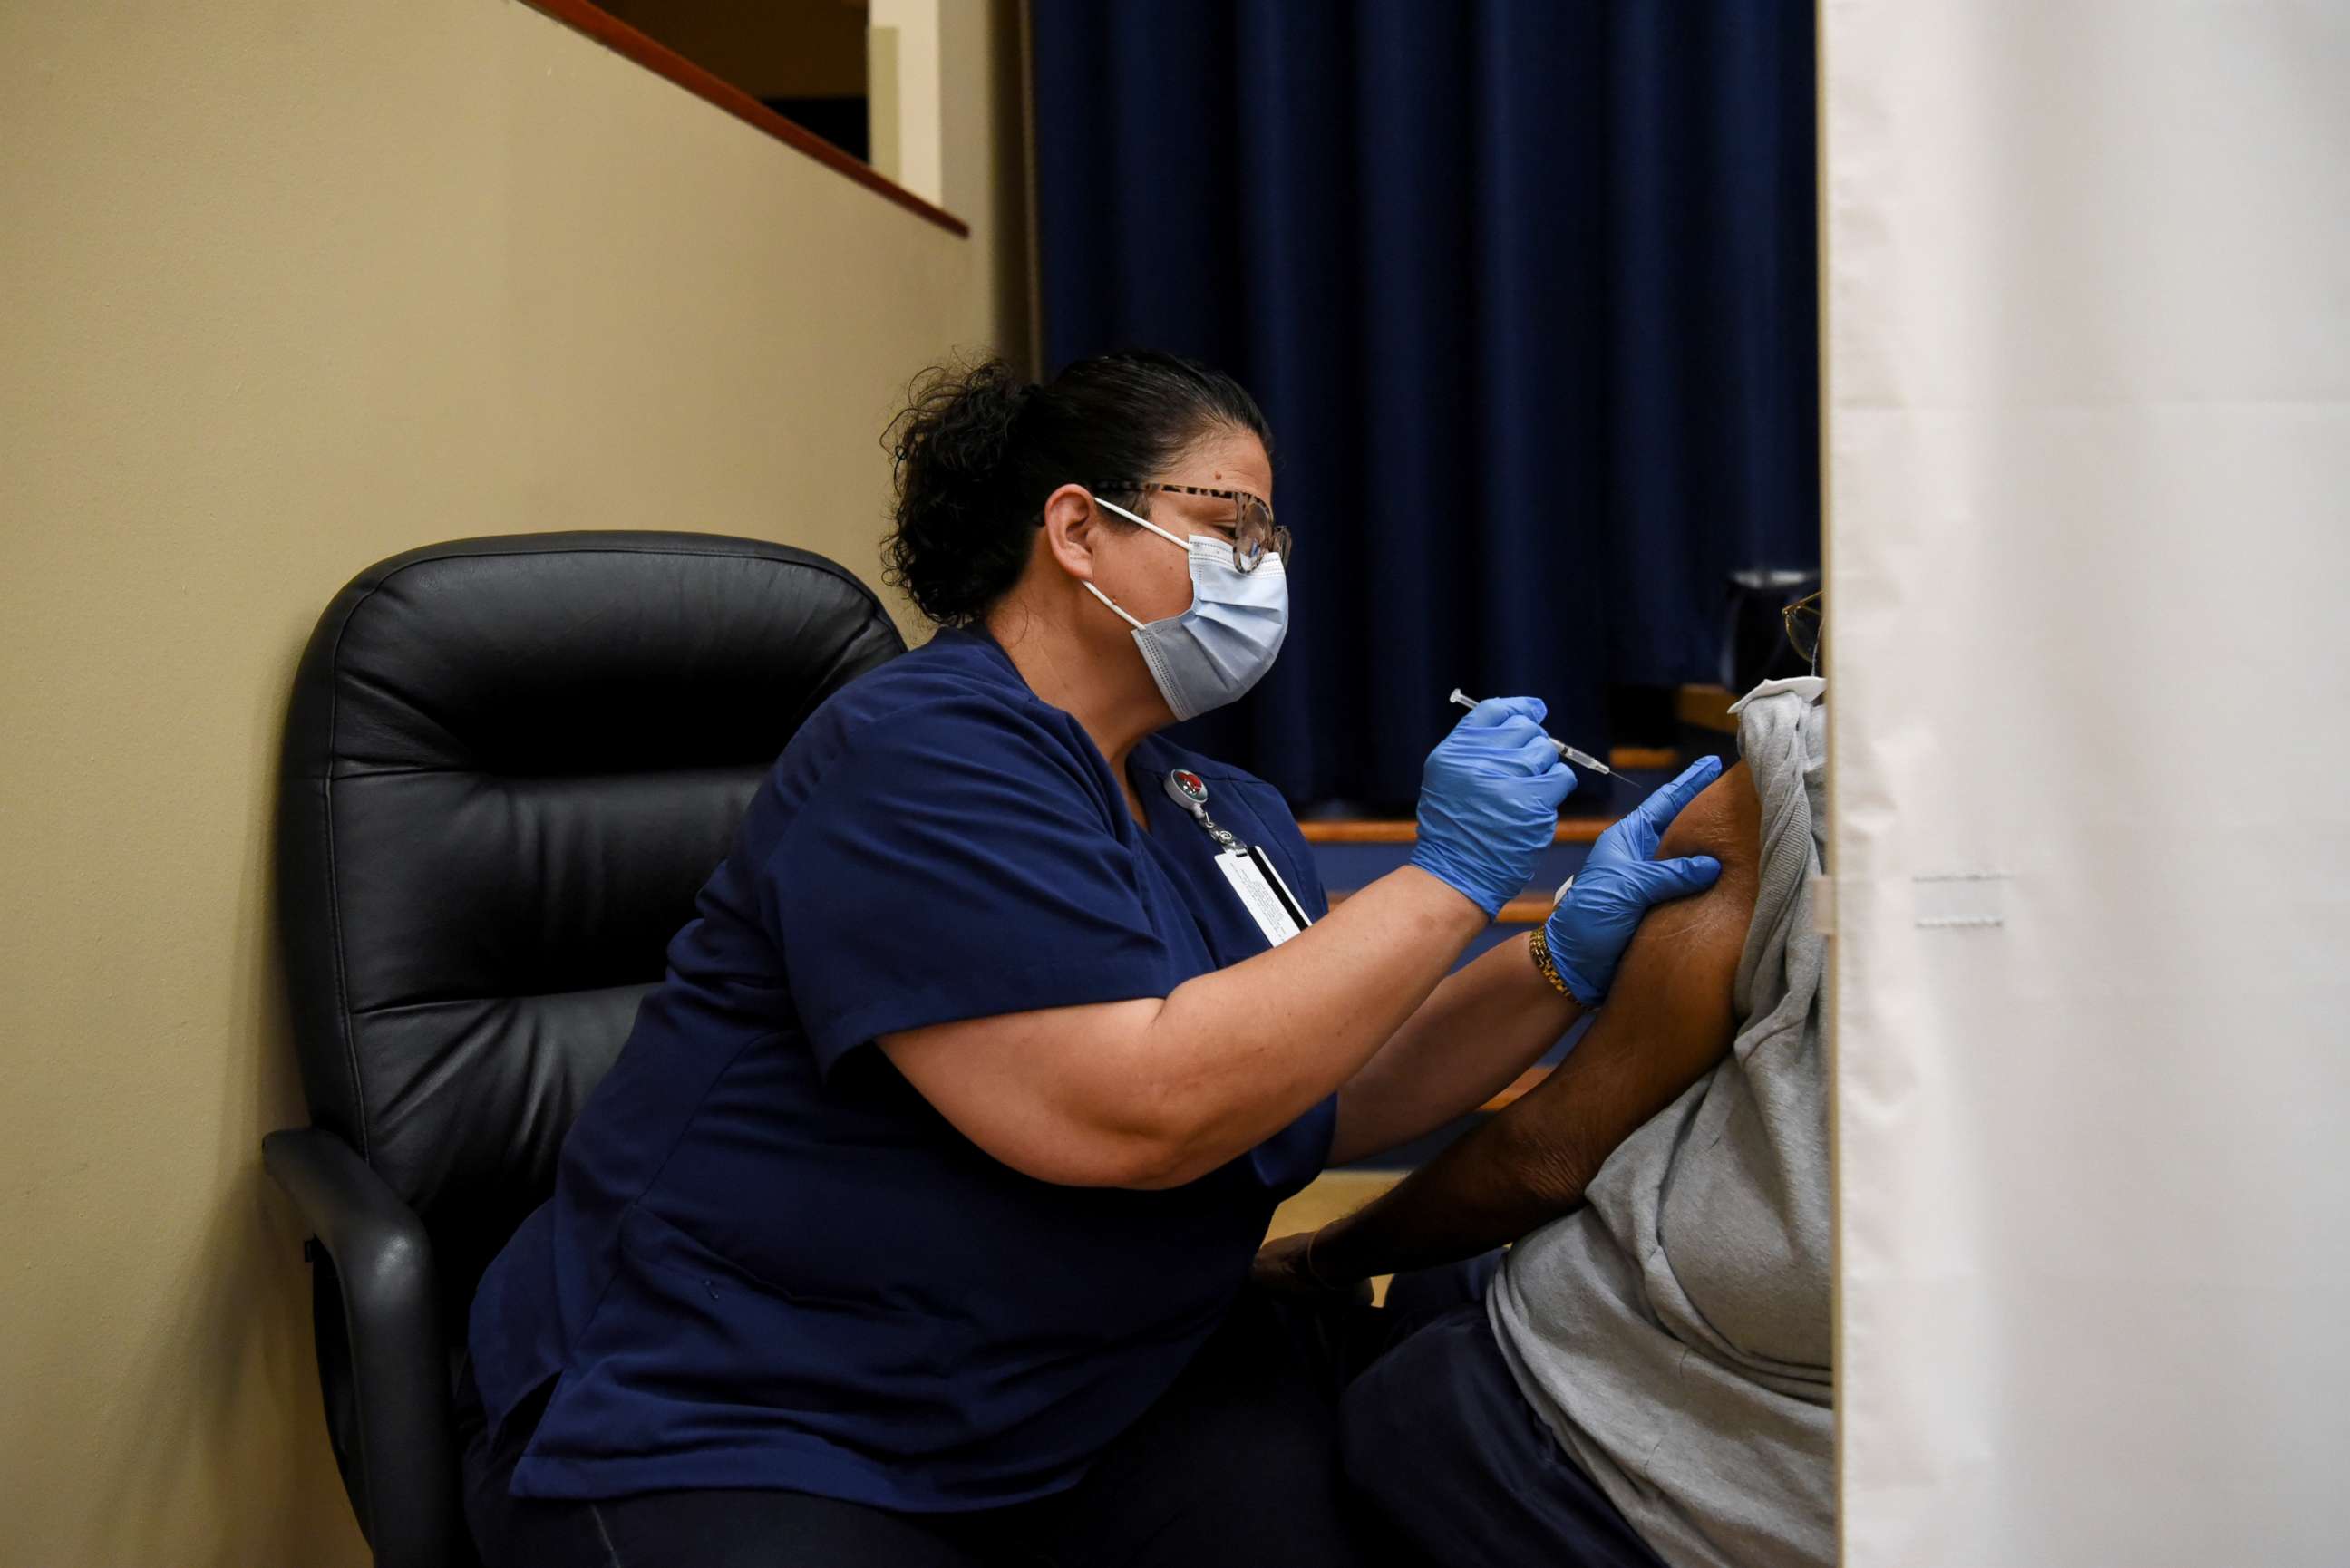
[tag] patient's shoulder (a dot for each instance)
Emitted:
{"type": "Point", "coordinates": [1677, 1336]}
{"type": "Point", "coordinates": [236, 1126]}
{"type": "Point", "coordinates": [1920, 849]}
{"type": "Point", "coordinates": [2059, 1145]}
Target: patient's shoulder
{"type": "Point", "coordinates": [1724, 821]}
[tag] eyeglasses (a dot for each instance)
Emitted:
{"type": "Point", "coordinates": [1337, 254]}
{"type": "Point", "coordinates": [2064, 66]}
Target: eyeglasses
{"type": "Point", "coordinates": [1803, 620]}
{"type": "Point", "coordinates": [1253, 529]}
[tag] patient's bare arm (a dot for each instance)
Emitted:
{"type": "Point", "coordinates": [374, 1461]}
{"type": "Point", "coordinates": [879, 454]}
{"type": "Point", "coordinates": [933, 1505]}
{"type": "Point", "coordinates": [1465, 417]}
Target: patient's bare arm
{"type": "Point", "coordinates": [1666, 1021]}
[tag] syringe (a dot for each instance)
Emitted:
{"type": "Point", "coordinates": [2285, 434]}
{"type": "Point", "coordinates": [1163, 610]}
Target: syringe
{"type": "Point", "coordinates": [1583, 760]}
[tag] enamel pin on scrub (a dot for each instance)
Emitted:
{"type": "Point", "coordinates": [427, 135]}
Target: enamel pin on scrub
{"type": "Point", "coordinates": [1246, 866]}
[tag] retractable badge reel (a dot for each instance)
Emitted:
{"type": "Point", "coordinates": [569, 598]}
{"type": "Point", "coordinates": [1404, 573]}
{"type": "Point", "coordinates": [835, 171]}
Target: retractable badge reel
{"type": "Point", "coordinates": [1246, 866]}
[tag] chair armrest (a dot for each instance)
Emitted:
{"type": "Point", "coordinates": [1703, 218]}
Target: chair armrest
{"type": "Point", "coordinates": [403, 1475]}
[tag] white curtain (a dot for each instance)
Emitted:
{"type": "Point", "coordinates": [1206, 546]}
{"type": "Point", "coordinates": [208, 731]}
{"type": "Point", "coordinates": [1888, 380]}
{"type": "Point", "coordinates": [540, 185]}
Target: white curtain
{"type": "Point", "coordinates": [2088, 346]}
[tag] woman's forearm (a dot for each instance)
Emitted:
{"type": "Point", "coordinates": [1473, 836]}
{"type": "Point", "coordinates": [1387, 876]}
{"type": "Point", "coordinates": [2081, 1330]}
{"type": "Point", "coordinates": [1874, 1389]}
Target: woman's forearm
{"type": "Point", "coordinates": [1236, 1056]}
{"type": "Point", "coordinates": [1473, 1036]}
{"type": "Point", "coordinates": [1158, 1091]}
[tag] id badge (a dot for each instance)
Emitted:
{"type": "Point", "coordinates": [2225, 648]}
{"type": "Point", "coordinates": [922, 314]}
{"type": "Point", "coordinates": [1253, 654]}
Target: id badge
{"type": "Point", "coordinates": [1262, 891]}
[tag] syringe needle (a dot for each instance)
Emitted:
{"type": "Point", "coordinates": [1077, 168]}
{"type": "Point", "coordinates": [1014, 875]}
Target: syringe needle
{"type": "Point", "coordinates": [1583, 760]}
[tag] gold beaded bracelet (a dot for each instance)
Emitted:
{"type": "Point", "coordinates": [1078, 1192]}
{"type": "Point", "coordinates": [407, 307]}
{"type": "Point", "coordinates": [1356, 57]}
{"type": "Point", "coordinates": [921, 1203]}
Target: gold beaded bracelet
{"type": "Point", "coordinates": [1539, 946]}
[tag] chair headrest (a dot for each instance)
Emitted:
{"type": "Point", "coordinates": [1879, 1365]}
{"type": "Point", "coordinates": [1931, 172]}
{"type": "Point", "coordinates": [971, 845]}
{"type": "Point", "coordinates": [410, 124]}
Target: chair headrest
{"type": "Point", "coordinates": [510, 764]}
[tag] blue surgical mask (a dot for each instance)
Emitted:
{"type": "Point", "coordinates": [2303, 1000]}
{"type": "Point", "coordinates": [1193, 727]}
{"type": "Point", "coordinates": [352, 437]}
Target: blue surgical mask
{"type": "Point", "coordinates": [1214, 651]}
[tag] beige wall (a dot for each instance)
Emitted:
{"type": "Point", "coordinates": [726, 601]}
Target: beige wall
{"type": "Point", "coordinates": [286, 286]}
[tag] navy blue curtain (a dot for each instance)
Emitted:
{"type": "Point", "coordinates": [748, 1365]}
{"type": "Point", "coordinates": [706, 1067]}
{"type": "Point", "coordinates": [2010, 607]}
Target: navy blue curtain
{"type": "Point", "coordinates": [1526, 289]}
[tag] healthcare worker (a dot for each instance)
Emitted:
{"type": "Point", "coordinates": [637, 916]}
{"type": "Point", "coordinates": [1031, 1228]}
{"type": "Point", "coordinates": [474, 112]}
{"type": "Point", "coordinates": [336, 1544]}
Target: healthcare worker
{"type": "Point", "coordinates": [910, 1225]}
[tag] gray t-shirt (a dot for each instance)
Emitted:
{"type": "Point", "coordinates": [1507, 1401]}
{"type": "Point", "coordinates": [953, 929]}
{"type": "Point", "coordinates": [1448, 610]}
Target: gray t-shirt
{"type": "Point", "coordinates": [1674, 1331]}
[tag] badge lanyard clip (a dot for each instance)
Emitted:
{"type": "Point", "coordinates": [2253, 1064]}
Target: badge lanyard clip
{"type": "Point", "coordinates": [1246, 866]}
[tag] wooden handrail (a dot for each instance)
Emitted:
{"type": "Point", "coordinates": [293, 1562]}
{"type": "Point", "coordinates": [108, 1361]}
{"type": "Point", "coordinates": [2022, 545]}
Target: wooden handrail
{"type": "Point", "coordinates": [667, 63]}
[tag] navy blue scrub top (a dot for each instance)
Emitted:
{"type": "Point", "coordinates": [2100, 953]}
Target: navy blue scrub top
{"type": "Point", "coordinates": [769, 1262]}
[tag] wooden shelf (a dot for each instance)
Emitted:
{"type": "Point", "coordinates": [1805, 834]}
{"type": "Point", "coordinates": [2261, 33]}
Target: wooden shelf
{"type": "Point", "coordinates": [1707, 707]}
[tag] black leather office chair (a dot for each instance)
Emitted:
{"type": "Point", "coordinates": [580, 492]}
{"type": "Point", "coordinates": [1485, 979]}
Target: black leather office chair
{"type": "Point", "coordinates": [510, 764]}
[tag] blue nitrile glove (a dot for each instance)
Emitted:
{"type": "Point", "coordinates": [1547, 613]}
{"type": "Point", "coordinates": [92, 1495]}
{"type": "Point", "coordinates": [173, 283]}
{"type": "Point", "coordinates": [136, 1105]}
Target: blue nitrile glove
{"type": "Point", "coordinates": [1489, 801]}
{"type": "Point", "coordinates": [1593, 924]}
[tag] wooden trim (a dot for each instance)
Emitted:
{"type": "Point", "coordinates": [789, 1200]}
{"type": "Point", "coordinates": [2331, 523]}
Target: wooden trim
{"type": "Point", "coordinates": [662, 62]}
{"type": "Point", "coordinates": [1524, 1084]}
{"type": "Point", "coordinates": [1660, 757]}
{"type": "Point", "coordinates": [1571, 830]}
{"type": "Point", "coordinates": [1707, 707]}
{"type": "Point", "coordinates": [1033, 258]}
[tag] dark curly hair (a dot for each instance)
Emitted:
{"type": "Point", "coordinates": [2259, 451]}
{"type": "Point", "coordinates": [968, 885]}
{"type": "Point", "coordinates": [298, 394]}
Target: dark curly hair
{"type": "Point", "coordinates": [978, 450]}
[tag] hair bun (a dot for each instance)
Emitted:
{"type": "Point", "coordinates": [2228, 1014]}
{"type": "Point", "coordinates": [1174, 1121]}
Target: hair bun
{"type": "Point", "coordinates": [952, 446]}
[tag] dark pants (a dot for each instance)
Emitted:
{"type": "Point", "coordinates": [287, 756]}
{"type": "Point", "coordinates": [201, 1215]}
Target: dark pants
{"type": "Point", "coordinates": [1440, 1442]}
{"type": "Point", "coordinates": [1235, 1465]}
